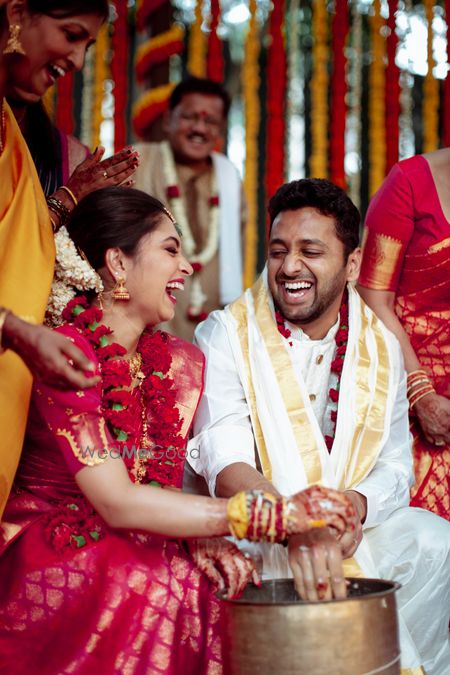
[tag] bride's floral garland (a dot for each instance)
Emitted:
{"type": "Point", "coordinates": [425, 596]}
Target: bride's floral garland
{"type": "Point", "coordinates": [159, 454]}
{"type": "Point", "coordinates": [198, 260]}
{"type": "Point", "coordinates": [341, 340]}
{"type": "Point", "coordinates": [72, 275]}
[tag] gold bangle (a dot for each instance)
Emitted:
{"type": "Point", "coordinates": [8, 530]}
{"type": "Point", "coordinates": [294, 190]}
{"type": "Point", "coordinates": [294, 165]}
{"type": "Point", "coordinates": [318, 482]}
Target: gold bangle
{"type": "Point", "coordinates": [420, 395]}
{"type": "Point", "coordinates": [237, 515]}
{"type": "Point", "coordinates": [3, 316]}
{"type": "Point", "coordinates": [416, 374]}
{"type": "Point", "coordinates": [417, 383]}
{"type": "Point", "coordinates": [70, 193]}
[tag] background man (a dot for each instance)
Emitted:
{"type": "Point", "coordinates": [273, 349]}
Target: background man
{"type": "Point", "coordinates": [301, 369]}
{"type": "Point", "coordinates": [203, 190]}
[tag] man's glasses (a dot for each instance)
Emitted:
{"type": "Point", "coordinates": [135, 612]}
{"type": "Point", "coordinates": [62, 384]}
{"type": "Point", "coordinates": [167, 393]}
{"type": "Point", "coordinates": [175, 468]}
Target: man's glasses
{"type": "Point", "coordinates": [211, 123]}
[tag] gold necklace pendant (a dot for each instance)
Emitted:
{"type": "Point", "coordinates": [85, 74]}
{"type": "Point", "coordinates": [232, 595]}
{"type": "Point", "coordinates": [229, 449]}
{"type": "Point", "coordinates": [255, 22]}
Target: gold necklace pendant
{"type": "Point", "coordinates": [135, 364]}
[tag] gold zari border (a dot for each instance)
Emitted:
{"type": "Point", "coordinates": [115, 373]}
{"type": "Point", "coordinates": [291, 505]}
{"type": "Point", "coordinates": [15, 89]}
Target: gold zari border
{"type": "Point", "coordinates": [382, 258]}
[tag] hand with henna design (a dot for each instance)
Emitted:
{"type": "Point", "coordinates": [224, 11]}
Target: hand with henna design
{"type": "Point", "coordinates": [51, 357]}
{"type": "Point", "coordinates": [324, 507]}
{"type": "Point", "coordinates": [95, 173]}
{"type": "Point", "coordinates": [224, 564]}
{"type": "Point", "coordinates": [315, 555]}
{"type": "Point", "coordinates": [433, 414]}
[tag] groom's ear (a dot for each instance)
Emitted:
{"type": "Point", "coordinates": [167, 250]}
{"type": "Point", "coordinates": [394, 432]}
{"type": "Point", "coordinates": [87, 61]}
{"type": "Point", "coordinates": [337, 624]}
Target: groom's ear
{"type": "Point", "coordinates": [354, 264]}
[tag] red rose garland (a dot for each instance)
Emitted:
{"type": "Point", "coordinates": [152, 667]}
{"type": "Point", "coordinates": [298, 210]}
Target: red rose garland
{"type": "Point", "coordinates": [73, 524]}
{"type": "Point", "coordinates": [161, 457]}
{"type": "Point", "coordinates": [392, 90]}
{"type": "Point", "coordinates": [215, 65]}
{"type": "Point", "coordinates": [276, 95]}
{"type": "Point", "coordinates": [119, 73]}
{"type": "Point", "coordinates": [338, 94]}
{"type": "Point", "coordinates": [341, 340]}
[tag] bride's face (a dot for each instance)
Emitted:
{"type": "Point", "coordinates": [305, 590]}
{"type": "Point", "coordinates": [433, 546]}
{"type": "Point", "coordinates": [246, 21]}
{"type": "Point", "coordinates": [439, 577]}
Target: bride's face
{"type": "Point", "coordinates": [156, 273]}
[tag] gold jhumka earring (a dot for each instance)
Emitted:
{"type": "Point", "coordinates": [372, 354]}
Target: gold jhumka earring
{"type": "Point", "coordinates": [14, 45]}
{"type": "Point", "coordinates": [120, 291]}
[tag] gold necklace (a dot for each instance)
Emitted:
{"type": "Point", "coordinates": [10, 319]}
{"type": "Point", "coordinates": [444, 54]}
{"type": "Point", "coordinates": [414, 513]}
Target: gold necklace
{"type": "Point", "coordinates": [135, 364]}
{"type": "Point", "coordinates": [2, 127]}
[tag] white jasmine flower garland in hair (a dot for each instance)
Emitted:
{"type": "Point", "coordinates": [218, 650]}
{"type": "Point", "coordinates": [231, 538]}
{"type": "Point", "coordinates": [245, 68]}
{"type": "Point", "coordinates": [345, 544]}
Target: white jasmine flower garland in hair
{"type": "Point", "coordinates": [72, 274]}
{"type": "Point", "coordinates": [198, 260]}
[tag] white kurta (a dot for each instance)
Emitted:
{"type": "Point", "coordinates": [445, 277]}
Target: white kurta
{"type": "Point", "coordinates": [411, 546]}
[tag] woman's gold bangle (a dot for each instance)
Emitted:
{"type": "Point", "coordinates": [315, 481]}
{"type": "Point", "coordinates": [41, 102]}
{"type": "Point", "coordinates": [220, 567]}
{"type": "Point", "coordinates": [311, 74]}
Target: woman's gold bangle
{"type": "Point", "coordinates": [70, 193]}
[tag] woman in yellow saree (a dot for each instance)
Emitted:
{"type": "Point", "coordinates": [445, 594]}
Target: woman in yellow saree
{"type": "Point", "coordinates": [39, 41]}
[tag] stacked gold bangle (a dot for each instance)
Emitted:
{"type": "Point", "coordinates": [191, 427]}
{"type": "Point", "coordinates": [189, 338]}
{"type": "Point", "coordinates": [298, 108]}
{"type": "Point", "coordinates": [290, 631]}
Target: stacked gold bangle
{"type": "Point", "coordinates": [70, 193]}
{"type": "Point", "coordinates": [258, 516]}
{"type": "Point", "coordinates": [3, 315]}
{"type": "Point", "coordinates": [61, 209]}
{"type": "Point", "coordinates": [418, 385]}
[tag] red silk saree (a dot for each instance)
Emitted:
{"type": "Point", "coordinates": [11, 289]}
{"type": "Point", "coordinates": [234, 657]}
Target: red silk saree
{"type": "Point", "coordinates": [406, 249]}
{"type": "Point", "coordinates": [77, 596]}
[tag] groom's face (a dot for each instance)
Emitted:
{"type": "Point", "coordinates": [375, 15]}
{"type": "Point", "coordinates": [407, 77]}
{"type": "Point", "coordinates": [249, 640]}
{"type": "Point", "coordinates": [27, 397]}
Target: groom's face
{"type": "Point", "coordinates": [307, 269]}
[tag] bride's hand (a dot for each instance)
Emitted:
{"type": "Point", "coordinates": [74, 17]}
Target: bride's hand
{"type": "Point", "coordinates": [224, 564]}
{"type": "Point", "coordinates": [318, 506]}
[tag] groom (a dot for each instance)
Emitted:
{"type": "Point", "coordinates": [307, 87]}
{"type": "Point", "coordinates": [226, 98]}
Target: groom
{"type": "Point", "coordinates": [305, 385]}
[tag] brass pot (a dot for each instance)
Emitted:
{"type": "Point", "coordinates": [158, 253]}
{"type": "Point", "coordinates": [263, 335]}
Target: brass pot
{"type": "Point", "coordinates": [269, 630]}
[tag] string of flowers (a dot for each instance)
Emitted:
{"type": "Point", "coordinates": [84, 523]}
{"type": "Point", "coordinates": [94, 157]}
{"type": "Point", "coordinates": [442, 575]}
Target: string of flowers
{"type": "Point", "coordinates": [196, 62]}
{"type": "Point", "coordinates": [119, 73]}
{"type": "Point", "coordinates": [201, 258]}
{"type": "Point", "coordinates": [158, 49]}
{"type": "Point", "coordinates": [144, 10]}
{"type": "Point", "coordinates": [341, 340]}
{"type": "Point", "coordinates": [64, 107]}
{"type": "Point", "coordinates": [318, 162]}
{"type": "Point", "coordinates": [446, 101]}
{"type": "Point", "coordinates": [215, 54]}
{"type": "Point", "coordinates": [150, 106]}
{"type": "Point", "coordinates": [73, 524]}
{"type": "Point", "coordinates": [276, 97]}
{"type": "Point", "coordinates": [430, 100]}
{"type": "Point", "coordinates": [72, 274]}
{"type": "Point", "coordinates": [354, 114]}
{"type": "Point", "coordinates": [101, 74]}
{"type": "Point", "coordinates": [392, 90]}
{"type": "Point", "coordinates": [294, 155]}
{"type": "Point", "coordinates": [377, 135]}
{"type": "Point", "coordinates": [250, 87]}
{"type": "Point", "coordinates": [159, 435]}
{"type": "Point", "coordinates": [406, 129]}
{"type": "Point", "coordinates": [340, 27]}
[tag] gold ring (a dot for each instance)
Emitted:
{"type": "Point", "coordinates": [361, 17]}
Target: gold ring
{"type": "Point", "coordinates": [105, 174]}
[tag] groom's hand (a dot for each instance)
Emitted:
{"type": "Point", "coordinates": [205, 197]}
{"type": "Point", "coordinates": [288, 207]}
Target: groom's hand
{"type": "Point", "coordinates": [350, 540]}
{"type": "Point", "coordinates": [315, 558]}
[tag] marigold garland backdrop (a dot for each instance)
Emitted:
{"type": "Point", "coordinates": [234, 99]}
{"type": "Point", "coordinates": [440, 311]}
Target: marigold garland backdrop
{"type": "Point", "coordinates": [368, 84]}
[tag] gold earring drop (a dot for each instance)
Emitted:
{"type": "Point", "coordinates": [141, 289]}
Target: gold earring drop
{"type": "Point", "coordinates": [14, 45]}
{"type": "Point", "coordinates": [120, 291]}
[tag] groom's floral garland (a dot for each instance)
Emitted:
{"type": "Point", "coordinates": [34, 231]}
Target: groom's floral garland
{"type": "Point", "coordinates": [159, 457]}
{"type": "Point", "coordinates": [198, 260]}
{"type": "Point", "coordinates": [341, 340]}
